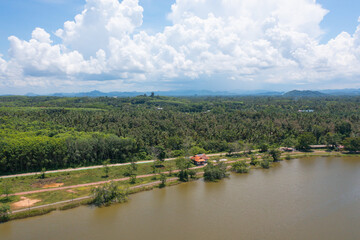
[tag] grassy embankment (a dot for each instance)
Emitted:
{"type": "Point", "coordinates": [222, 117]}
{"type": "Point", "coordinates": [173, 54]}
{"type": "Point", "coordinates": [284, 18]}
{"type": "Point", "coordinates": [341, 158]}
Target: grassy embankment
{"type": "Point", "coordinates": [29, 183]}
{"type": "Point", "coordinates": [59, 195]}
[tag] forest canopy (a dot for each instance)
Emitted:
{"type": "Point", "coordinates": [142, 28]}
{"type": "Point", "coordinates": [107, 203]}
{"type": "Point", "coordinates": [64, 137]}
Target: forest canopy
{"type": "Point", "coordinates": [54, 132]}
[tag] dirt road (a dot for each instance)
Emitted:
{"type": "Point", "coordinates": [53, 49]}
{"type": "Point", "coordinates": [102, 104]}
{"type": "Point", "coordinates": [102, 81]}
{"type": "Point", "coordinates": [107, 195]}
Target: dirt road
{"type": "Point", "coordinates": [95, 167]}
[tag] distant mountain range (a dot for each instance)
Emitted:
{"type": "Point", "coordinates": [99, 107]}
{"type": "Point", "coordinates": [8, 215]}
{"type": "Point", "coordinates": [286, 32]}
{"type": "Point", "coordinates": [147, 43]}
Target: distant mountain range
{"type": "Point", "coordinates": [188, 93]}
{"type": "Point", "coordinates": [306, 93]}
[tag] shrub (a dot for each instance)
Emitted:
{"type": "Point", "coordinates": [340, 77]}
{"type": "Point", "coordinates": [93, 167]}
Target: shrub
{"type": "Point", "coordinates": [109, 193]}
{"type": "Point", "coordinates": [263, 147]}
{"type": "Point", "coordinates": [214, 172]}
{"type": "Point", "coordinates": [133, 179]}
{"type": "Point", "coordinates": [305, 140]}
{"type": "Point", "coordinates": [254, 161]}
{"type": "Point", "coordinates": [240, 167]}
{"type": "Point", "coordinates": [4, 213]}
{"type": "Point", "coordinates": [275, 154]}
{"type": "Point", "coordinates": [265, 164]}
{"type": "Point", "coordinates": [43, 172]}
{"type": "Point", "coordinates": [163, 180]}
{"type": "Point", "coordinates": [184, 176]}
{"type": "Point", "coordinates": [192, 173]}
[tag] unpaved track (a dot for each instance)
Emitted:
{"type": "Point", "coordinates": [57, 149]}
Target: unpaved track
{"type": "Point", "coordinates": [88, 184]}
{"type": "Point", "coordinates": [95, 167]}
{"type": "Point", "coordinates": [87, 197]}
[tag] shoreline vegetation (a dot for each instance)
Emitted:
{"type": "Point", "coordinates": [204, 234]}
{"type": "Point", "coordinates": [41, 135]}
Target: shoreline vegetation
{"type": "Point", "coordinates": [59, 199]}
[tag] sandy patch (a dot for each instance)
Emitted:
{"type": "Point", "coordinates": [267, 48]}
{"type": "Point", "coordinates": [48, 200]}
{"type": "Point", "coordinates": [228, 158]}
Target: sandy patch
{"type": "Point", "coordinates": [24, 203]}
{"type": "Point", "coordinates": [71, 191]}
{"type": "Point", "coordinates": [53, 185]}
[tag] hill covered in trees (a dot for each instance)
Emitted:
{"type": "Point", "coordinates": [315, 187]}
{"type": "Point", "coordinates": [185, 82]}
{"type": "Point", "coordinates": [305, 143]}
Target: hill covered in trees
{"type": "Point", "coordinates": [53, 132]}
{"type": "Point", "coordinates": [306, 93]}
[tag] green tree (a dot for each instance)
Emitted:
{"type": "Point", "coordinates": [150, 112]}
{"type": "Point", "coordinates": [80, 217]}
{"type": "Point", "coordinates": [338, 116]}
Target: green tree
{"type": "Point", "coordinates": [289, 142]}
{"type": "Point", "coordinates": [352, 144]}
{"type": "Point", "coordinates": [5, 213]}
{"type": "Point", "coordinates": [214, 172]}
{"type": "Point", "coordinates": [6, 189]}
{"type": "Point", "coordinates": [159, 153]}
{"type": "Point", "coordinates": [263, 147]}
{"type": "Point", "coordinates": [233, 147]}
{"type": "Point", "coordinates": [155, 169]}
{"type": "Point", "coordinates": [265, 164]}
{"type": "Point", "coordinates": [275, 154]}
{"type": "Point", "coordinates": [305, 140]}
{"type": "Point", "coordinates": [43, 172]}
{"type": "Point", "coordinates": [130, 172]}
{"type": "Point", "coordinates": [192, 173]}
{"type": "Point", "coordinates": [134, 166]}
{"type": "Point", "coordinates": [133, 178]}
{"type": "Point", "coordinates": [196, 150]}
{"type": "Point", "coordinates": [240, 167]}
{"type": "Point", "coordinates": [163, 178]}
{"type": "Point", "coordinates": [254, 161]}
{"type": "Point", "coordinates": [343, 128]}
{"type": "Point", "coordinates": [170, 169]}
{"type": "Point", "coordinates": [106, 167]}
{"type": "Point", "coordinates": [183, 175]}
{"type": "Point", "coordinates": [109, 193]}
{"type": "Point", "coordinates": [183, 163]}
{"type": "Point", "coordinates": [332, 140]}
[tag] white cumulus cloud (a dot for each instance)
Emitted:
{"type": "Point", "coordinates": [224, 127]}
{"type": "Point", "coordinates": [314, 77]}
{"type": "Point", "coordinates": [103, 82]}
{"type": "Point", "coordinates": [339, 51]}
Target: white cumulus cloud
{"type": "Point", "coordinates": [262, 41]}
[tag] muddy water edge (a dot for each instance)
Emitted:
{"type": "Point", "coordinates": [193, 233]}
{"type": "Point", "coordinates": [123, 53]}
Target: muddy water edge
{"type": "Point", "coordinates": [308, 198]}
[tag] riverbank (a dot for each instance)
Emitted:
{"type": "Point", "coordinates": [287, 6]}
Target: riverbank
{"type": "Point", "coordinates": [77, 202]}
{"type": "Point", "coordinates": [308, 198]}
{"type": "Point", "coordinates": [55, 199]}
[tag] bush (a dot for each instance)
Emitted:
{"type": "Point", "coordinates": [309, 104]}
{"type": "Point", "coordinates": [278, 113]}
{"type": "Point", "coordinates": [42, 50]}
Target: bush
{"type": "Point", "coordinates": [254, 161]}
{"type": "Point", "coordinates": [275, 154]}
{"type": "Point", "coordinates": [192, 173]}
{"type": "Point", "coordinates": [4, 213]}
{"type": "Point", "coordinates": [184, 176]}
{"type": "Point", "coordinates": [214, 172]}
{"type": "Point", "coordinates": [240, 167]}
{"type": "Point", "coordinates": [352, 144]}
{"type": "Point", "coordinates": [263, 147]}
{"type": "Point", "coordinates": [133, 179]}
{"type": "Point", "coordinates": [109, 193]}
{"type": "Point", "coordinates": [288, 157]}
{"type": "Point", "coordinates": [196, 150]}
{"type": "Point", "coordinates": [305, 140]}
{"type": "Point", "coordinates": [163, 180]}
{"type": "Point", "coordinates": [265, 164]}
{"type": "Point", "coordinates": [177, 153]}
{"type": "Point", "coordinates": [43, 172]}
{"type": "Point", "coordinates": [5, 189]}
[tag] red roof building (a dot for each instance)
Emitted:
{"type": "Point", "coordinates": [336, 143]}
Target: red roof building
{"type": "Point", "coordinates": [200, 159]}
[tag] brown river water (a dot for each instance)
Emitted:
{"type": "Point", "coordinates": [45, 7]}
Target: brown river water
{"type": "Point", "coordinates": [309, 198]}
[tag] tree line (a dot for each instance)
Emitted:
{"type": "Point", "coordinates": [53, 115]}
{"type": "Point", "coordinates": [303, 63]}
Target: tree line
{"type": "Point", "coordinates": [52, 132]}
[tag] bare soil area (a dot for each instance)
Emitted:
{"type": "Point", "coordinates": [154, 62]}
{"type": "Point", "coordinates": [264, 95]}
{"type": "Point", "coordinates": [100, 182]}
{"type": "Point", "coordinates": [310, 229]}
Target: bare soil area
{"type": "Point", "coordinates": [53, 185]}
{"type": "Point", "coordinates": [24, 203]}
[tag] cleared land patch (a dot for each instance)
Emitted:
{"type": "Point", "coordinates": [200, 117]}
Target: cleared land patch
{"type": "Point", "coordinates": [24, 203]}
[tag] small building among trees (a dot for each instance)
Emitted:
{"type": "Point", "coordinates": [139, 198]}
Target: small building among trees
{"type": "Point", "coordinates": [200, 159]}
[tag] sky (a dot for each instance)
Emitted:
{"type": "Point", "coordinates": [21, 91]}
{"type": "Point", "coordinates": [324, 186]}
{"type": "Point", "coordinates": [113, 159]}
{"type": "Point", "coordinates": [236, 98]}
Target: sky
{"type": "Point", "coordinates": [49, 46]}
